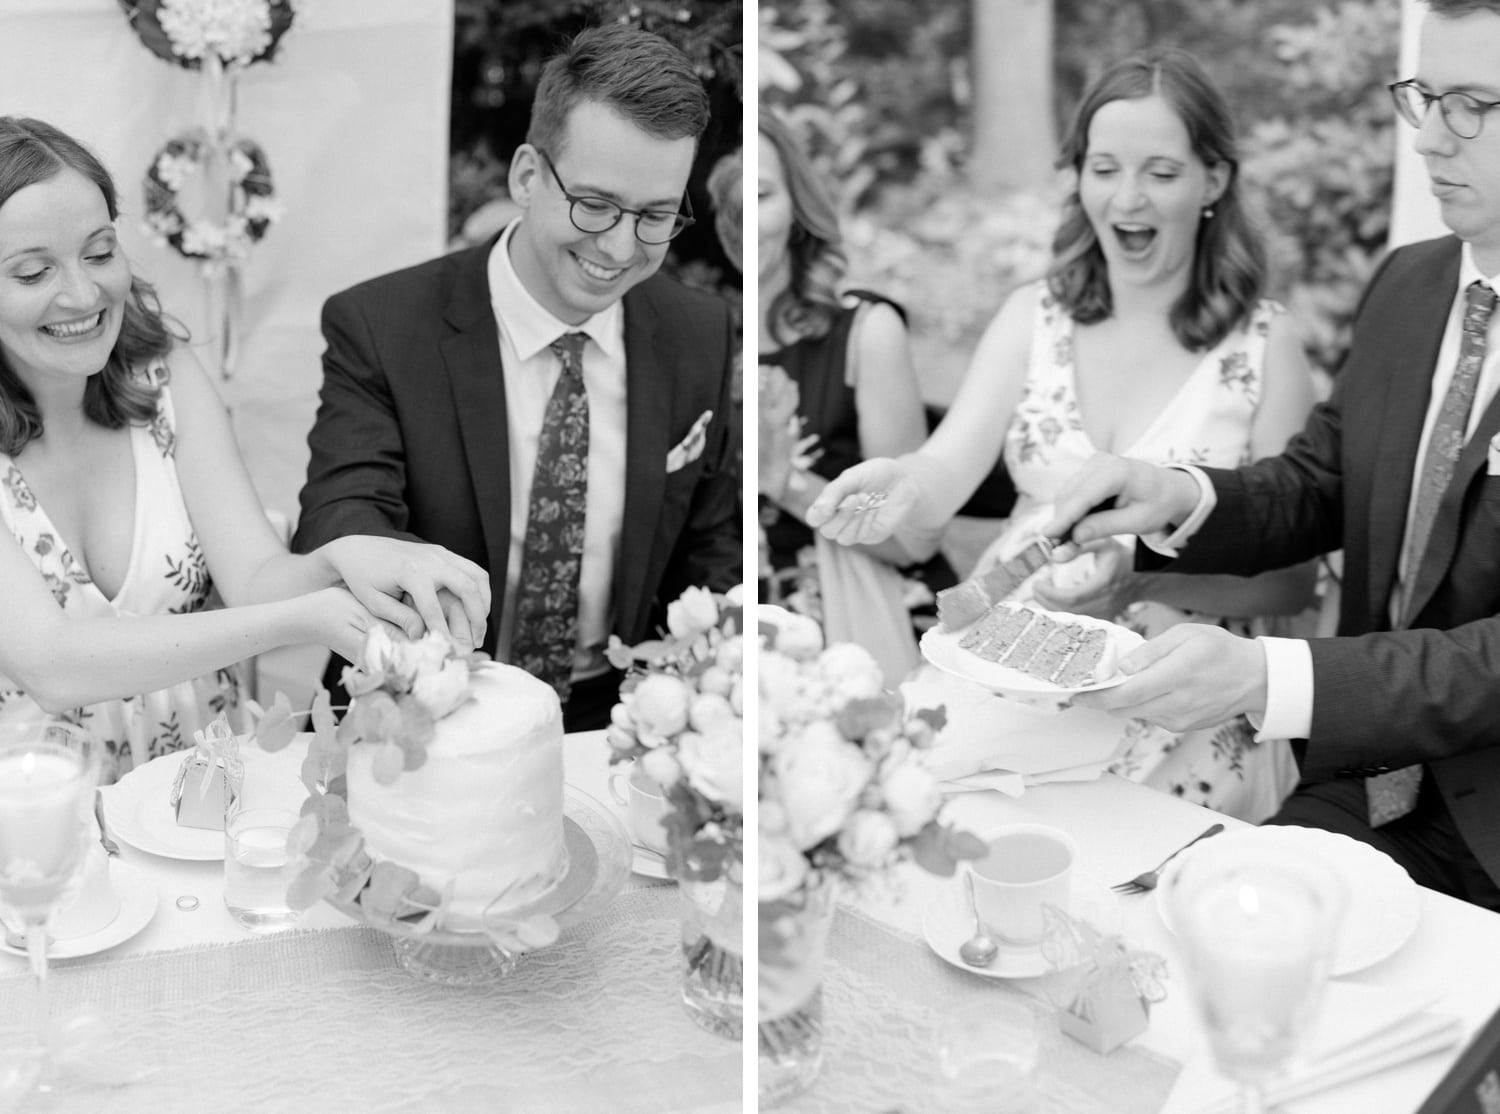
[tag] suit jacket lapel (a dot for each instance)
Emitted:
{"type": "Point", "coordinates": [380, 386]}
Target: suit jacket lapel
{"type": "Point", "coordinates": [1443, 542]}
{"type": "Point", "coordinates": [1410, 352]}
{"type": "Point", "coordinates": [471, 355]}
{"type": "Point", "coordinates": [648, 431]}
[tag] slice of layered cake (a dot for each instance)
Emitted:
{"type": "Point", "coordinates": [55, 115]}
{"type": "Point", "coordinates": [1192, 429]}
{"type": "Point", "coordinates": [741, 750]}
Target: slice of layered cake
{"type": "Point", "coordinates": [1044, 645]}
{"type": "Point", "coordinates": [968, 600]}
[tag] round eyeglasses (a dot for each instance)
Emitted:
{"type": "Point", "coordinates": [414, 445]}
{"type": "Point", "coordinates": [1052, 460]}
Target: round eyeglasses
{"type": "Point", "coordinates": [599, 214]}
{"type": "Point", "coordinates": [1463, 115]}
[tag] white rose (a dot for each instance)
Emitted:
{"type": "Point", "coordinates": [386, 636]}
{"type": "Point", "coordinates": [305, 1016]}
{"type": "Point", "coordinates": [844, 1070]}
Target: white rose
{"type": "Point", "coordinates": [778, 681]}
{"type": "Point", "coordinates": [820, 784]}
{"type": "Point", "coordinates": [707, 709]}
{"type": "Point", "coordinates": [782, 868]}
{"type": "Point", "coordinates": [850, 672]}
{"type": "Point", "coordinates": [736, 596]}
{"type": "Point", "coordinates": [731, 654]}
{"type": "Point", "coordinates": [692, 614]}
{"type": "Point", "coordinates": [713, 763]}
{"type": "Point", "coordinates": [424, 656]}
{"type": "Point", "coordinates": [376, 654]}
{"type": "Point", "coordinates": [715, 679]}
{"type": "Point", "coordinates": [799, 637]}
{"type": "Point", "coordinates": [661, 767]}
{"type": "Point", "coordinates": [912, 797]}
{"type": "Point", "coordinates": [443, 690]}
{"type": "Point", "coordinates": [868, 839]}
{"type": "Point", "coordinates": [659, 706]}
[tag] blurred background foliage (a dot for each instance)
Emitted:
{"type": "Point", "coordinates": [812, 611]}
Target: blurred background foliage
{"type": "Point", "coordinates": [499, 48]}
{"type": "Point", "coordinates": [882, 91]}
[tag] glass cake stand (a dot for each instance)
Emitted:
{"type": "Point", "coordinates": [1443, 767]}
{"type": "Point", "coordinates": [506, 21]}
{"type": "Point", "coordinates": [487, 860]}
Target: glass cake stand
{"type": "Point", "coordinates": [599, 855]}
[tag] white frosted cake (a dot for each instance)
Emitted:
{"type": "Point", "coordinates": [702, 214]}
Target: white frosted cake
{"type": "Point", "coordinates": [484, 813]}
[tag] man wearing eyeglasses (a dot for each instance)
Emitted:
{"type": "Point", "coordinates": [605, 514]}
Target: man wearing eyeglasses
{"type": "Point", "coordinates": [547, 404]}
{"type": "Point", "coordinates": [1400, 712]}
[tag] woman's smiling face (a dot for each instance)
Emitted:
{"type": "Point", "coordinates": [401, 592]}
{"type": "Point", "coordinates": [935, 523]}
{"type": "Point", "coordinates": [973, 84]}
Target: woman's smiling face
{"type": "Point", "coordinates": [1144, 190]}
{"type": "Point", "coordinates": [63, 279]}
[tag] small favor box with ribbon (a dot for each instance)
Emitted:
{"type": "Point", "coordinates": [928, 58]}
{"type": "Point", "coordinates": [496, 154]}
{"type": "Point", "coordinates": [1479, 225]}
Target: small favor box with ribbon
{"type": "Point", "coordinates": [1104, 987]}
{"type": "Point", "coordinates": [209, 781]}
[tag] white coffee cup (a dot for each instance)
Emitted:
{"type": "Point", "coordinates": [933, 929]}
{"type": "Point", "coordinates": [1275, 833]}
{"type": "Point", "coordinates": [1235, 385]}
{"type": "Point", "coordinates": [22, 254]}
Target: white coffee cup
{"type": "Point", "coordinates": [1026, 867]}
{"type": "Point", "coordinates": [647, 804]}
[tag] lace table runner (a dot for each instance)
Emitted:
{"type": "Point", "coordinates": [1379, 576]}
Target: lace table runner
{"type": "Point", "coordinates": [883, 995]}
{"type": "Point", "coordinates": [328, 1021]}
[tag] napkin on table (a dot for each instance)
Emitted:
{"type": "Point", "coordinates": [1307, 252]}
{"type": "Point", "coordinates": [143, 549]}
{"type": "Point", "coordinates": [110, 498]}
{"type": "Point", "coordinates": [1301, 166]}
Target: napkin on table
{"type": "Point", "coordinates": [988, 732]}
{"type": "Point", "coordinates": [1360, 1030]}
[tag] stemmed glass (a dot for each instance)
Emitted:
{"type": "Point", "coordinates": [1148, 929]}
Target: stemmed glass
{"type": "Point", "coordinates": [47, 777]}
{"type": "Point", "coordinates": [1257, 931]}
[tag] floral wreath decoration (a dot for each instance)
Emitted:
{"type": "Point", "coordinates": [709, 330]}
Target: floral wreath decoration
{"type": "Point", "coordinates": [185, 156]}
{"type": "Point", "coordinates": [183, 32]}
{"type": "Point", "coordinates": [400, 689]}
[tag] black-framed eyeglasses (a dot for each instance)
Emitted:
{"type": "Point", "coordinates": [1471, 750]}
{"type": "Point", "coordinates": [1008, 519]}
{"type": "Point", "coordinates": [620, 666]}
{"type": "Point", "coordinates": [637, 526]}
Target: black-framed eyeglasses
{"type": "Point", "coordinates": [1463, 115]}
{"type": "Point", "coordinates": [599, 214]}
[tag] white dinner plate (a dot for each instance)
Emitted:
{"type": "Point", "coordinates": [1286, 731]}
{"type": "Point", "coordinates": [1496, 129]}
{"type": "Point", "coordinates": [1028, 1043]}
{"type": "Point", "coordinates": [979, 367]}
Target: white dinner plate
{"type": "Point", "coordinates": [1383, 901]}
{"type": "Point", "coordinates": [137, 907]}
{"type": "Point", "coordinates": [949, 921]}
{"type": "Point", "coordinates": [942, 649]}
{"type": "Point", "coordinates": [138, 809]}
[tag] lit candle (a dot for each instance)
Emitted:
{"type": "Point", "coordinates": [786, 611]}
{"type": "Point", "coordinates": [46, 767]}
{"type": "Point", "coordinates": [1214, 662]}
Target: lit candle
{"type": "Point", "coordinates": [42, 793]}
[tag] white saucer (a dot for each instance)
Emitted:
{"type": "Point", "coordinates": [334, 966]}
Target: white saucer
{"type": "Point", "coordinates": [1383, 902]}
{"type": "Point", "coordinates": [137, 907]}
{"type": "Point", "coordinates": [949, 921]}
{"type": "Point", "coordinates": [138, 809]}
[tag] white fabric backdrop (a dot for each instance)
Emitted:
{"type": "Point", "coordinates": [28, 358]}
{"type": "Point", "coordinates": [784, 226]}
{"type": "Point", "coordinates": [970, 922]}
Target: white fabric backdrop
{"type": "Point", "coordinates": [353, 117]}
{"type": "Point", "coordinates": [1414, 211]}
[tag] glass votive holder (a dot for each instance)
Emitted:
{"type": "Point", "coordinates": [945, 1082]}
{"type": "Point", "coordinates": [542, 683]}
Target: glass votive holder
{"type": "Point", "coordinates": [986, 1057]}
{"type": "Point", "coordinates": [258, 867]}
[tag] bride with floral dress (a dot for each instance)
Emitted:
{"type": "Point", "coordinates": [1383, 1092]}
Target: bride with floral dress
{"type": "Point", "coordinates": [1149, 337]}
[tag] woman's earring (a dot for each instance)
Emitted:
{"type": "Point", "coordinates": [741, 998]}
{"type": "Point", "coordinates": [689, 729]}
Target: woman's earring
{"type": "Point", "coordinates": [1208, 212]}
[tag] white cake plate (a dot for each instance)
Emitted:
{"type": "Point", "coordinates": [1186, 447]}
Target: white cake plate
{"type": "Point", "coordinates": [599, 857]}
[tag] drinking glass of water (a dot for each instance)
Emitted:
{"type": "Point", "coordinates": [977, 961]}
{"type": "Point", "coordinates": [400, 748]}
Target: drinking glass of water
{"type": "Point", "coordinates": [258, 868]}
{"type": "Point", "coordinates": [986, 1057]}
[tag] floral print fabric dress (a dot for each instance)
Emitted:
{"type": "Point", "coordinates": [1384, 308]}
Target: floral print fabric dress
{"type": "Point", "coordinates": [166, 574]}
{"type": "Point", "coordinates": [1207, 422]}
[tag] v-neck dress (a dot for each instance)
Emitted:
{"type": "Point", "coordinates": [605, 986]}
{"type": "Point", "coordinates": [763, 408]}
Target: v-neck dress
{"type": "Point", "coordinates": [167, 574]}
{"type": "Point", "coordinates": [1207, 422]}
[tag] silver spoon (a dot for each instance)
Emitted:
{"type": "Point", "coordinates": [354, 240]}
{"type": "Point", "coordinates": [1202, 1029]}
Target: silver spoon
{"type": "Point", "coordinates": [979, 950]}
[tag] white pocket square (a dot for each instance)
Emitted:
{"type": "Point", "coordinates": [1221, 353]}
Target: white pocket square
{"type": "Point", "coordinates": [1492, 464]}
{"type": "Point", "coordinates": [690, 448]}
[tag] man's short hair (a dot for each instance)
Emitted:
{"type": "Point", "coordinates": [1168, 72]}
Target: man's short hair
{"type": "Point", "coordinates": [1462, 7]}
{"type": "Point", "coordinates": [636, 73]}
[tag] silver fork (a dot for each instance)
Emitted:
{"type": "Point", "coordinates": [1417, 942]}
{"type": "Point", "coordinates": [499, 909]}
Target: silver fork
{"type": "Point", "coordinates": [1148, 880]}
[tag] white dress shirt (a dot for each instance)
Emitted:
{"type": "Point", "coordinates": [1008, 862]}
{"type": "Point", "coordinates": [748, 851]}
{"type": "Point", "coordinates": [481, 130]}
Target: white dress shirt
{"type": "Point", "coordinates": [1289, 669]}
{"type": "Point", "coordinates": [531, 371]}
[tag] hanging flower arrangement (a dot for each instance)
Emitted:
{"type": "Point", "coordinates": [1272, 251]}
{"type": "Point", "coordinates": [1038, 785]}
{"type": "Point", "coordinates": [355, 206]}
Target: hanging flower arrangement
{"type": "Point", "coordinates": [252, 211]}
{"type": "Point", "coordinates": [185, 32]}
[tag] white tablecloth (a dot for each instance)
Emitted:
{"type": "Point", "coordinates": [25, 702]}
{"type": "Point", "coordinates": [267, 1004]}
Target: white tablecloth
{"type": "Point", "coordinates": [290, 1021]}
{"type": "Point", "coordinates": [1122, 828]}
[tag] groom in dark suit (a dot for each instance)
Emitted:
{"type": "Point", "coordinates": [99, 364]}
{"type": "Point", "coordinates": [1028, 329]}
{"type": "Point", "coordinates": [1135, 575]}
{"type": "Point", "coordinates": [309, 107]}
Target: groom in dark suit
{"type": "Point", "coordinates": [1400, 713]}
{"type": "Point", "coordinates": [547, 404]}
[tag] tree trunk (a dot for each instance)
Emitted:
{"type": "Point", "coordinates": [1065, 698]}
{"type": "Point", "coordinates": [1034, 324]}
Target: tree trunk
{"type": "Point", "coordinates": [1015, 139]}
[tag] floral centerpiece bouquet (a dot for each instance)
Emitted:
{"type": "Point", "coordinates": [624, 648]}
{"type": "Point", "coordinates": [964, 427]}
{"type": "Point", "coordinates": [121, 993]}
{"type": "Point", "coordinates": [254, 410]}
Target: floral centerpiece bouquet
{"type": "Point", "coordinates": [681, 719]}
{"type": "Point", "coordinates": [843, 799]}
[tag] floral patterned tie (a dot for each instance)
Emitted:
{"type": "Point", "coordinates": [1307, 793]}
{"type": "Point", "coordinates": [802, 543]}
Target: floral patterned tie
{"type": "Point", "coordinates": [547, 597]}
{"type": "Point", "coordinates": [1391, 796]}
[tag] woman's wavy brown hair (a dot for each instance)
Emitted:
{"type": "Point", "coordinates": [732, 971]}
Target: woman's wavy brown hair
{"type": "Point", "coordinates": [810, 303]}
{"type": "Point", "coordinates": [30, 152]}
{"type": "Point", "coordinates": [1229, 259]}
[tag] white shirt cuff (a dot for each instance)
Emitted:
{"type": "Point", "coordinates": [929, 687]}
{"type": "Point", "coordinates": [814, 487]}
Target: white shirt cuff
{"type": "Point", "coordinates": [1168, 544]}
{"type": "Point", "coordinates": [1289, 690]}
